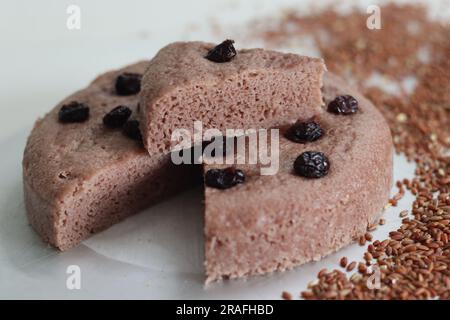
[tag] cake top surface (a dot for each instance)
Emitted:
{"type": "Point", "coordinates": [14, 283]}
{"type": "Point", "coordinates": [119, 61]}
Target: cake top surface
{"type": "Point", "coordinates": [348, 142]}
{"type": "Point", "coordinates": [257, 88]}
{"type": "Point", "coordinates": [183, 63]}
{"type": "Point", "coordinates": [58, 156]}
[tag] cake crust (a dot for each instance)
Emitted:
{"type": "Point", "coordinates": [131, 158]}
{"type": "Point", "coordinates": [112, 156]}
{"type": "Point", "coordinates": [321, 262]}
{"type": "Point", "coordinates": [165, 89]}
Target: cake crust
{"type": "Point", "coordinates": [257, 89]}
{"type": "Point", "coordinates": [276, 222]}
{"type": "Point", "coordinates": [80, 178]}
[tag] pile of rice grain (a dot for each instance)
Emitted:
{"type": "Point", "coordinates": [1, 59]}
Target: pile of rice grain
{"type": "Point", "coordinates": [414, 262]}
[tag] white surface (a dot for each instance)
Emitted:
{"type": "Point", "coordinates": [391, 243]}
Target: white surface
{"type": "Point", "coordinates": [158, 253]}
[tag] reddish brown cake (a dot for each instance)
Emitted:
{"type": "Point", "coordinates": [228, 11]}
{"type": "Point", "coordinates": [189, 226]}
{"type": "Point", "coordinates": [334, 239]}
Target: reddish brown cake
{"type": "Point", "coordinates": [276, 222]}
{"type": "Point", "coordinates": [80, 178]}
{"type": "Point", "coordinates": [256, 89]}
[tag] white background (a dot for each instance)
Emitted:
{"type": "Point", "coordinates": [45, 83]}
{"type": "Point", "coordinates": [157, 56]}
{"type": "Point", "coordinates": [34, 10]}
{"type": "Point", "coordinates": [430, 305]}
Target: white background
{"type": "Point", "coordinates": [158, 253]}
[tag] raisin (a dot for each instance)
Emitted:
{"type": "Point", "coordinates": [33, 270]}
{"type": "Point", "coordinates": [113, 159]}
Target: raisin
{"type": "Point", "coordinates": [131, 130]}
{"type": "Point", "coordinates": [73, 112]}
{"type": "Point", "coordinates": [311, 164]}
{"type": "Point", "coordinates": [345, 105]}
{"type": "Point", "coordinates": [128, 83]}
{"type": "Point", "coordinates": [303, 132]}
{"type": "Point", "coordinates": [223, 52]}
{"type": "Point", "coordinates": [224, 178]}
{"type": "Point", "coordinates": [117, 117]}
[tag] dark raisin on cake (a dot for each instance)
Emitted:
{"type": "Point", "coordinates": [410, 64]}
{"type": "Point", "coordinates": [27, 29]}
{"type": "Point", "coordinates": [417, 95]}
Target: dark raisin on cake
{"type": "Point", "coordinates": [117, 117]}
{"type": "Point", "coordinates": [223, 52]}
{"type": "Point", "coordinates": [131, 130]}
{"type": "Point", "coordinates": [128, 83]}
{"type": "Point", "coordinates": [224, 178]}
{"type": "Point", "coordinates": [302, 132]}
{"type": "Point", "coordinates": [345, 105]}
{"type": "Point", "coordinates": [73, 112]}
{"type": "Point", "coordinates": [311, 164]}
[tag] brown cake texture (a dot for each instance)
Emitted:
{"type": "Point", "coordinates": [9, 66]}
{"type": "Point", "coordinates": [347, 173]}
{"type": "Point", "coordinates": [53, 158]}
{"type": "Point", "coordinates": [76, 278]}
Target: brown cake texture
{"type": "Point", "coordinates": [80, 178]}
{"type": "Point", "coordinates": [276, 222]}
{"type": "Point", "coordinates": [257, 89]}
